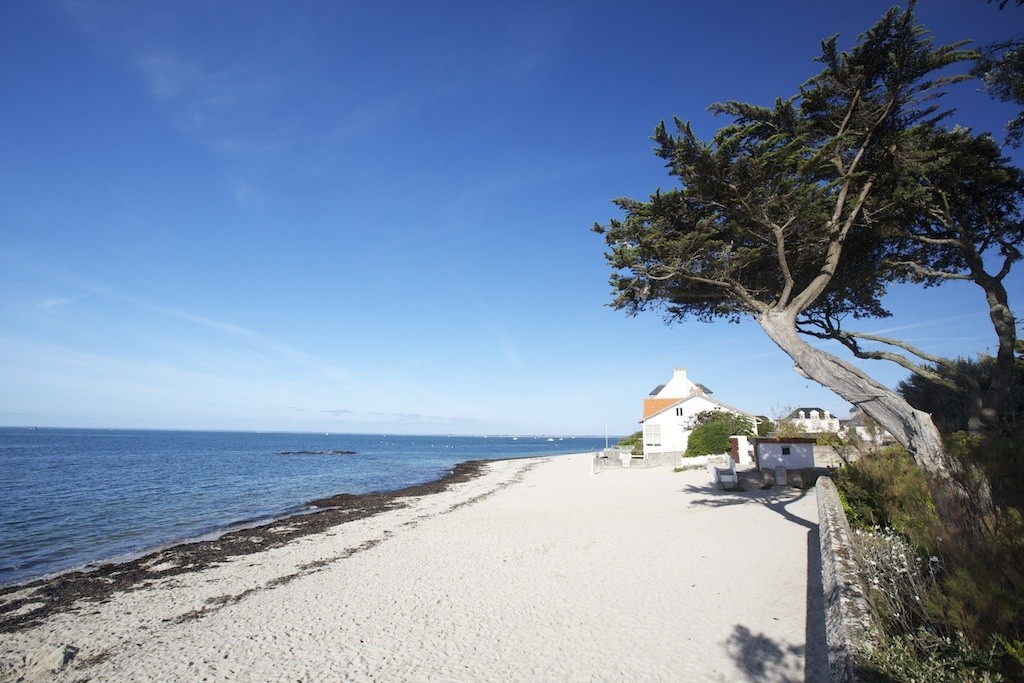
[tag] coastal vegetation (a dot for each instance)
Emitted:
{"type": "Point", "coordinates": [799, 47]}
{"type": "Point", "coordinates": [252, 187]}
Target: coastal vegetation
{"type": "Point", "coordinates": [800, 216]}
{"type": "Point", "coordinates": [634, 441]}
{"type": "Point", "coordinates": [712, 431]}
{"type": "Point", "coordinates": [947, 594]}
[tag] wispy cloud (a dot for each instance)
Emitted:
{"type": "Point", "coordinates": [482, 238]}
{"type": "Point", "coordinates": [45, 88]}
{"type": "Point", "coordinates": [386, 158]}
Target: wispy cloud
{"type": "Point", "coordinates": [57, 302]}
{"type": "Point", "coordinates": [923, 323]}
{"type": "Point", "coordinates": [256, 339]}
{"type": "Point", "coordinates": [252, 339]}
{"type": "Point", "coordinates": [215, 94]}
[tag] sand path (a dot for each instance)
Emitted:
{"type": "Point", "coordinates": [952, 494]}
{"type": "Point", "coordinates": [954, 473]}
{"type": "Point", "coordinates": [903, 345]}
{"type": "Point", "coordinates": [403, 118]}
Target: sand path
{"type": "Point", "coordinates": [536, 571]}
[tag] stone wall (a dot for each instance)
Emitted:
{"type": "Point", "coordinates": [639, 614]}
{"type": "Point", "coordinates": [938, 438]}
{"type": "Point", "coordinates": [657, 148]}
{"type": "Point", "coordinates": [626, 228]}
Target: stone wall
{"type": "Point", "coordinates": [848, 622]}
{"type": "Point", "coordinates": [611, 459]}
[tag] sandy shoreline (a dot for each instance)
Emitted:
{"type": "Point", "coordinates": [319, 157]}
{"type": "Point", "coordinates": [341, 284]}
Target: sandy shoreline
{"type": "Point", "coordinates": [534, 570]}
{"type": "Point", "coordinates": [30, 602]}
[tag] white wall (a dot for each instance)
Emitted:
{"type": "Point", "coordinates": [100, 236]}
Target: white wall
{"type": "Point", "coordinates": [800, 455]}
{"type": "Point", "coordinates": [676, 429]}
{"type": "Point", "coordinates": [677, 387]}
{"type": "Point", "coordinates": [744, 449]}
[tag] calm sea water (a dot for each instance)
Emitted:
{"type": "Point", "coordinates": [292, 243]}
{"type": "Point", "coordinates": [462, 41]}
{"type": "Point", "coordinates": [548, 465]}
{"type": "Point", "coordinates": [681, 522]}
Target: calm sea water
{"type": "Point", "coordinates": [70, 497]}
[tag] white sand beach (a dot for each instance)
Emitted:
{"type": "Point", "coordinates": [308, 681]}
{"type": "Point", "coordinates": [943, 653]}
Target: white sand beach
{"type": "Point", "coordinates": [537, 570]}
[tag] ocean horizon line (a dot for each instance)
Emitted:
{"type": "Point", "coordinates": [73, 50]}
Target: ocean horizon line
{"type": "Point", "coordinates": [314, 432]}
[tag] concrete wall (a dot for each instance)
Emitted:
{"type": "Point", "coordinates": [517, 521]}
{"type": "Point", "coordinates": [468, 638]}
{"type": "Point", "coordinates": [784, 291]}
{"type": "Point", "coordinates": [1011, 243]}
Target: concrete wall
{"type": "Point", "coordinates": [848, 621]}
{"type": "Point", "coordinates": [611, 459]}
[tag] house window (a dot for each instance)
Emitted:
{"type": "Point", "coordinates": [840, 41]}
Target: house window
{"type": "Point", "coordinates": [653, 433]}
{"type": "Point", "coordinates": [679, 412]}
{"type": "Point", "coordinates": [785, 450]}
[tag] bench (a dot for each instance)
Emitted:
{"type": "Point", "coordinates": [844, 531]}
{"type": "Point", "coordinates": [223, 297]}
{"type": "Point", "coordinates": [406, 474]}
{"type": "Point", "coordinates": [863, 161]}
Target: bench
{"type": "Point", "coordinates": [723, 476]}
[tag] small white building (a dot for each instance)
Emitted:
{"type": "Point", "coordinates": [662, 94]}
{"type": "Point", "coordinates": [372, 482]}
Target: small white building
{"type": "Point", "coordinates": [670, 413]}
{"type": "Point", "coordinates": [790, 453]}
{"type": "Point", "coordinates": [814, 420]}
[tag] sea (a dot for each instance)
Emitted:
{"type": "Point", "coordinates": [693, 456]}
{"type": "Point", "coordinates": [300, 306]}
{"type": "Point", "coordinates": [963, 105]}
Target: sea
{"type": "Point", "coordinates": [75, 498]}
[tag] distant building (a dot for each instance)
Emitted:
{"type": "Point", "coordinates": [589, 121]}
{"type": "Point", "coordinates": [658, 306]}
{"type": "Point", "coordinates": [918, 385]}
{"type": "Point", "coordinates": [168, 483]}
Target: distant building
{"type": "Point", "coordinates": [867, 430]}
{"type": "Point", "coordinates": [814, 420]}
{"type": "Point", "coordinates": [670, 413]}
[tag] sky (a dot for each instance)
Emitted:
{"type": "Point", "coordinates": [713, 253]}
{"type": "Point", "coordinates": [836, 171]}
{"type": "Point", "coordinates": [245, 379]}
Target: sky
{"type": "Point", "coordinates": [376, 216]}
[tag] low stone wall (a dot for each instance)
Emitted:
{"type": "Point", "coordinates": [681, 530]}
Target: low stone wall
{"type": "Point", "coordinates": [611, 459]}
{"type": "Point", "coordinates": [848, 621]}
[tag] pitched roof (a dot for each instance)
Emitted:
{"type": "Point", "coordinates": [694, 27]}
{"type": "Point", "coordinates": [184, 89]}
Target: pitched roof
{"type": "Point", "coordinates": [795, 415]}
{"type": "Point", "coordinates": [653, 406]}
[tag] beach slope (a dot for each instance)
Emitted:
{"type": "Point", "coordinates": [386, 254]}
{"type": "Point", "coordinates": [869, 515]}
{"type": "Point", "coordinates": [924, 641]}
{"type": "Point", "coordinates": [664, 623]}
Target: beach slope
{"type": "Point", "coordinates": [534, 570]}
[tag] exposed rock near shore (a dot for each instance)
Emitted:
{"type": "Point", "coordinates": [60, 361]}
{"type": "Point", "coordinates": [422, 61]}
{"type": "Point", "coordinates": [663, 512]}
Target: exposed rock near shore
{"type": "Point", "coordinates": [318, 452]}
{"type": "Point", "coordinates": [25, 605]}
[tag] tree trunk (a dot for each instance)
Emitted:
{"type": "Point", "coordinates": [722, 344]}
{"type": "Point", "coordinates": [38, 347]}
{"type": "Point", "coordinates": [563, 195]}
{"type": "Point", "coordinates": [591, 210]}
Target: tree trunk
{"type": "Point", "coordinates": [1003, 372]}
{"type": "Point", "coordinates": [913, 428]}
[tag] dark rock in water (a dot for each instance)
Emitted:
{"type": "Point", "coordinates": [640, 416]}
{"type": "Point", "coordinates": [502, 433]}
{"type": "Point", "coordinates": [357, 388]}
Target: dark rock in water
{"type": "Point", "coordinates": [23, 606]}
{"type": "Point", "coordinates": [318, 452]}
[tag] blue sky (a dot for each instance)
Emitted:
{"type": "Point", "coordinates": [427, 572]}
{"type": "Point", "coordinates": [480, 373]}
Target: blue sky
{"type": "Point", "coordinates": [375, 216]}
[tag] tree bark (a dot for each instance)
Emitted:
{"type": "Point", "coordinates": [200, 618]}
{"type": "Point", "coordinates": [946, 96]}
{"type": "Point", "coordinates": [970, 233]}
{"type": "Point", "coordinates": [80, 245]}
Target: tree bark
{"type": "Point", "coordinates": [912, 428]}
{"type": "Point", "coordinates": [1003, 372]}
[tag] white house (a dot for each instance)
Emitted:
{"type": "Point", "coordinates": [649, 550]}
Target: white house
{"type": "Point", "coordinates": [670, 411]}
{"type": "Point", "coordinates": [868, 431]}
{"type": "Point", "coordinates": [814, 420]}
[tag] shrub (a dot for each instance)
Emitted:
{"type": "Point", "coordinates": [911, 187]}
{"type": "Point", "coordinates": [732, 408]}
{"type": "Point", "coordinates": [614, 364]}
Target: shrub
{"type": "Point", "coordinates": [924, 656]}
{"type": "Point", "coordinates": [950, 595]}
{"type": "Point", "coordinates": [712, 434]}
{"type": "Point", "coordinates": [636, 440]}
{"type": "Point", "coordinates": [886, 488]}
{"type": "Point", "coordinates": [901, 585]}
{"type": "Point", "coordinates": [787, 429]}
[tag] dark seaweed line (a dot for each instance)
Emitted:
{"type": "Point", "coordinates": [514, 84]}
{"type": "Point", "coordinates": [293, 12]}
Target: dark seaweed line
{"type": "Point", "coordinates": [46, 597]}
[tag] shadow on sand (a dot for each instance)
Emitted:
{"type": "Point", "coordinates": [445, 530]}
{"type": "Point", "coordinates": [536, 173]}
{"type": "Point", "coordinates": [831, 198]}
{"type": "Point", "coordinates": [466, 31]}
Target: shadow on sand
{"type": "Point", "coordinates": [762, 659]}
{"type": "Point", "coordinates": [759, 657]}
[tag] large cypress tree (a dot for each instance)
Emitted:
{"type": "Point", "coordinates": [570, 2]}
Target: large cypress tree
{"type": "Point", "coordinates": [796, 214]}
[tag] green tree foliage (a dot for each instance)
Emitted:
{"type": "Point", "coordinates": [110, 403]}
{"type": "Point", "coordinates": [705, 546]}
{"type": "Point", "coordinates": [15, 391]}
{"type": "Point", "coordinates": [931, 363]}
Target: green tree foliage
{"type": "Point", "coordinates": [1001, 69]}
{"type": "Point", "coordinates": [799, 215]}
{"type": "Point", "coordinates": [634, 440]}
{"type": "Point", "coordinates": [765, 427]}
{"type": "Point", "coordinates": [952, 402]}
{"type": "Point", "coordinates": [788, 429]}
{"type": "Point", "coordinates": [714, 427]}
{"type": "Point", "coordinates": [963, 220]}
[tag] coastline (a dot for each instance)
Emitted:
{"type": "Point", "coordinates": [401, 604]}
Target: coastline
{"type": "Point", "coordinates": [122, 493]}
{"type": "Point", "coordinates": [530, 569]}
{"type": "Point", "coordinates": [60, 592]}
